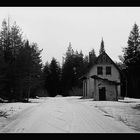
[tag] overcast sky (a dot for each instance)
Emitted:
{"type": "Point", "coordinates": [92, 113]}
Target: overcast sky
{"type": "Point", "coordinates": [52, 28]}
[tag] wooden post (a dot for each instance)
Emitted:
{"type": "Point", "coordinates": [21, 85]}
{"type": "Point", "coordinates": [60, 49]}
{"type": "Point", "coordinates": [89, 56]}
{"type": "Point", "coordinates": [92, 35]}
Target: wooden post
{"type": "Point", "coordinates": [116, 88]}
{"type": "Point", "coordinates": [126, 88]}
{"type": "Point", "coordinates": [83, 88]}
{"type": "Point", "coordinates": [29, 88]}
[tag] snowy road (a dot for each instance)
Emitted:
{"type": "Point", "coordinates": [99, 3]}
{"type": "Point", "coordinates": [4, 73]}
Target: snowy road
{"type": "Point", "coordinates": [64, 115]}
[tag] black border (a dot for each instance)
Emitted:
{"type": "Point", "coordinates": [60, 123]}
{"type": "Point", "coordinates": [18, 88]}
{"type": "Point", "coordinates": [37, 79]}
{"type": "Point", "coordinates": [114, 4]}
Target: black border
{"type": "Point", "coordinates": [69, 3]}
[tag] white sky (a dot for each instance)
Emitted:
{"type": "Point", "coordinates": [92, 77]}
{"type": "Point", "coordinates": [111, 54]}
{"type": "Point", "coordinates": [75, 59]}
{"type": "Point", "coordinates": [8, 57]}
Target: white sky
{"type": "Point", "coordinates": [52, 28]}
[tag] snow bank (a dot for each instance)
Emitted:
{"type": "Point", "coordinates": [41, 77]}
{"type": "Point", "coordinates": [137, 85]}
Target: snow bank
{"type": "Point", "coordinates": [127, 110]}
{"type": "Point", "coordinates": [13, 108]}
{"type": "Point", "coordinates": [8, 110]}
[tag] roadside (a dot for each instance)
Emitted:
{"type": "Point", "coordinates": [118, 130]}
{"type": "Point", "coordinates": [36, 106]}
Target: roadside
{"type": "Point", "coordinates": [126, 111]}
{"type": "Point", "coordinates": [10, 111]}
{"type": "Point", "coordinates": [70, 115]}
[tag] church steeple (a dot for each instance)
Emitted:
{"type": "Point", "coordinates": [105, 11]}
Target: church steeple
{"type": "Point", "coordinates": [102, 49]}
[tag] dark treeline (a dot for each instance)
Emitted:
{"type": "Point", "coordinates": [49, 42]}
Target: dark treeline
{"type": "Point", "coordinates": [20, 67]}
{"type": "Point", "coordinates": [51, 78]}
{"type": "Point", "coordinates": [131, 61]}
{"type": "Point", "coordinates": [64, 79]}
{"type": "Point", "coordinates": [22, 74]}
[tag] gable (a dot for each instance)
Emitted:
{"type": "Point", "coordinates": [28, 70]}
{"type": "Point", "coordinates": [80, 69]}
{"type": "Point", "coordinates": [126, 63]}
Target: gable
{"type": "Point", "coordinates": [104, 59]}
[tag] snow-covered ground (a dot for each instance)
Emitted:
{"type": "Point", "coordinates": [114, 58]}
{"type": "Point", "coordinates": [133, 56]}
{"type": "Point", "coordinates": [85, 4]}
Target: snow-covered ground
{"type": "Point", "coordinates": [127, 111]}
{"type": "Point", "coordinates": [70, 115]}
{"type": "Point", "coordinates": [9, 111]}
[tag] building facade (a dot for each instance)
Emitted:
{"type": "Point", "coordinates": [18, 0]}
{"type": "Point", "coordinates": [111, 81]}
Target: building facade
{"type": "Point", "coordinates": [102, 81]}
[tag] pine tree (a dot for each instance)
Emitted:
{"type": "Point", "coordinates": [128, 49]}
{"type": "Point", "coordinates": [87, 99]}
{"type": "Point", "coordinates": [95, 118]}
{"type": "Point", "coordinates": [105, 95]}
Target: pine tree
{"type": "Point", "coordinates": [131, 52]}
{"type": "Point", "coordinates": [72, 69]}
{"type": "Point", "coordinates": [3, 80]}
{"type": "Point", "coordinates": [8, 44]}
{"type": "Point", "coordinates": [21, 61]}
{"type": "Point", "coordinates": [55, 72]}
{"type": "Point", "coordinates": [16, 43]}
{"type": "Point", "coordinates": [67, 70]}
{"type": "Point", "coordinates": [132, 61]}
{"type": "Point", "coordinates": [36, 69]}
{"type": "Point", "coordinates": [46, 78]}
{"type": "Point", "coordinates": [52, 77]}
{"type": "Point", "coordinates": [16, 39]}
{"type": "Point", "coordinates": [102, 49]}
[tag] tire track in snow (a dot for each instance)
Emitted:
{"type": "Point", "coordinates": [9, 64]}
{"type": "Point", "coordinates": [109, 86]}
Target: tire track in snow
{"type": "Point", "coordinates": [109, 125]}
{"type": "Point", "coordinates": [84, 123]}
{"type": "Point", "coordinates": [56, 118]}
{"type": "Point", "coordinates": [64, 115]}
{"type": "Point", "coordinates": [80, 119]}
{"type": "Point", "coordinates": [91, 120]}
